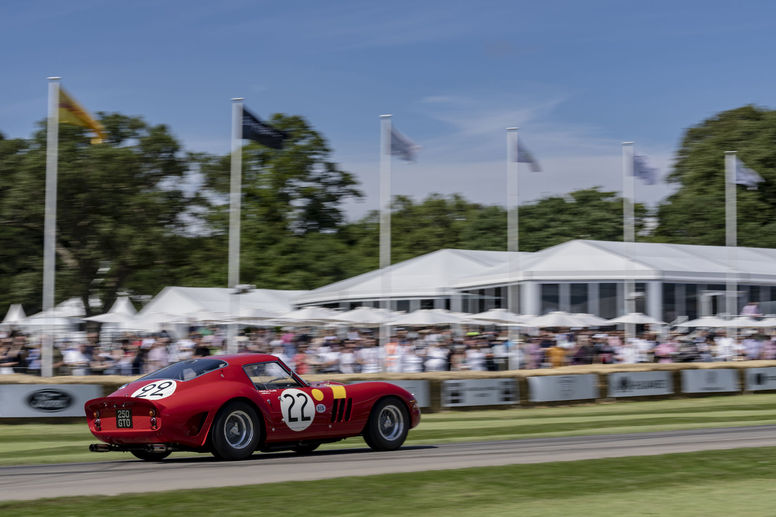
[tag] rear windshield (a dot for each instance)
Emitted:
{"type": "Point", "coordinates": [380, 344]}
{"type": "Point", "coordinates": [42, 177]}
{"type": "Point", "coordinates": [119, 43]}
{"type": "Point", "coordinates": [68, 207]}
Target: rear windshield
{"type": "Point", "coordinates": [186, 370]}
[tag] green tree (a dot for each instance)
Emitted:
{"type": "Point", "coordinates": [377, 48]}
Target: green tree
{"type": "Point", "coordinates": [695, 213]}
{"type": "Point", "coordinates": [291, 210]}
{"type": "Point", "coordinates": [582, 214]}
{"type": "Point", "coordinates": [120, 211]}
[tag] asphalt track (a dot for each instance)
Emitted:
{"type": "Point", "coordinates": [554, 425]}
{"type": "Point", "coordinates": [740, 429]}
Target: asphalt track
{"type": "Point", "coordinates": [201, 471]}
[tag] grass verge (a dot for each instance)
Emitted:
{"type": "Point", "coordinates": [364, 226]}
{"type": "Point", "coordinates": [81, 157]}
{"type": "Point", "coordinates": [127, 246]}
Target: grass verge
{"type": "Point", "coordinates": [738, 482]}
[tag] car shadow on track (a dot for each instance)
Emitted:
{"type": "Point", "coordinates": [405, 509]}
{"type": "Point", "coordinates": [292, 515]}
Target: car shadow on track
{"type": "Point", "coordinates": [259, 456]}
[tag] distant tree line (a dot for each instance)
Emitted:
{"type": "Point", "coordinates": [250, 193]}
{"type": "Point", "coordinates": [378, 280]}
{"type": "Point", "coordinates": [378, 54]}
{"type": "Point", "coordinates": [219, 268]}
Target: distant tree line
{"type": "Point", "coordinates": [137, 213]}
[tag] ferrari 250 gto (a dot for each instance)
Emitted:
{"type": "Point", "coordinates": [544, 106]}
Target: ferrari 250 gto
{"type": "Point", "coordinates": [233, 405]}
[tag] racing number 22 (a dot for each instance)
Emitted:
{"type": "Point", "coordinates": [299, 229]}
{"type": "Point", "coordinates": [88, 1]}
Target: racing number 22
{"type": "Point", "coordinates": [154, 390]}
{"type": "Point", "coordinates": [292, 403]}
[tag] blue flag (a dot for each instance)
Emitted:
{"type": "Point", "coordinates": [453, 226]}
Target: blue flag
{"type": "Point", "coordinates": [403, 147]}
{"type": "Point", "coordinates": [746, 176]}
{"type": "Point", "coordinates": [523, 156]}
{"type": "Point", "coordinates": [643, 171]}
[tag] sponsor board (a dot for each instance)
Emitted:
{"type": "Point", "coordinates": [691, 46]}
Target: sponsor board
{"type": "Point", "coordinates": [758, 379]}
{"type": "Point", "coordinates": [479, 392]}
{"type": "Point", "coordinates": [420, 390]}
{"type": "Point", "coordinates": [710, 381]}
{"type": "Point", "coordinates": [640, 384]}
{"type": "Point", "coordinates": [46, 400]}
{"type": "Point", "coordinates": [554, 388]}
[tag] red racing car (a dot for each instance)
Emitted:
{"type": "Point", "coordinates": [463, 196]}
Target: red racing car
{"type": "Point", "coordinates": [233, 405]}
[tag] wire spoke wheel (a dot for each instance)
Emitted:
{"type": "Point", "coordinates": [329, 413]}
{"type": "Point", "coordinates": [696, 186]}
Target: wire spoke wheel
{"type": "Point", "coordinates": [235, 432]}
{"type": "Point", "coordinates": [390, 423]}
{"type": "Point", "coordinates": [387, 427]}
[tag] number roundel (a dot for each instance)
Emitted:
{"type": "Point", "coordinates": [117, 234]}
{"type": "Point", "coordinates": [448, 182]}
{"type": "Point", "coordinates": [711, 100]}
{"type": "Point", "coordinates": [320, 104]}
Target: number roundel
{"type": "Point", "coordinates": [156, 390]}
{"type": "Point", "coordinates": [298, 409]}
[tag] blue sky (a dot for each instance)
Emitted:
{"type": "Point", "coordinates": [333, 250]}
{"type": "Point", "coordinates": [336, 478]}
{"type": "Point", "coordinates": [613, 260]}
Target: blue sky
{"type": "Point", "coordinates": [577, 77]}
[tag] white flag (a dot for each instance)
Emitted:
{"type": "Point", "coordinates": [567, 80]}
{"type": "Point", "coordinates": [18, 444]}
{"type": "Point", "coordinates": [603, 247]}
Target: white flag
{"type": "Point", "coordinates": [643, 171]}
{"type": "Point", "coordinates": [746, 176]}
{"type": "Point", "coordinates": [523, 156]}
{"type": "Point", "coordinates": [403, 147]}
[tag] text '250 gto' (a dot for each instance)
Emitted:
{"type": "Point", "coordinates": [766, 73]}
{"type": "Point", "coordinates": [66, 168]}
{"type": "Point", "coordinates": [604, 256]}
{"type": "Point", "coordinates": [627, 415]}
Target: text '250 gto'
{"type": "Point", "coordinates": [233, 405]}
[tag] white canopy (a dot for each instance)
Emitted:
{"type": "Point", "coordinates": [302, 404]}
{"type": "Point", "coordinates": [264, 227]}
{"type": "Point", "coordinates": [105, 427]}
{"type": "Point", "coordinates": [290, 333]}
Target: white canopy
{"type": "Point", "coordinates": [556, 319]}
{"type": "Point", "coordinates": [15, 315]}
{"type": "Point", "coordinates": [188, 302]}
{"type": "Point", "coordinates": [367, 316]}
{"type": "Point", "coordinates": [591, 320]}
{"type": "Point", "coordinates": [636, 318]}
{"type": "Point", "coordinates": [743, 322]}
{"type": "Point", "coordinates": [122, 313]}
{"type": "Point", "coordinates": [310, 316]}
{"type": "Point", "coordinates": [705, 322]}
{"type": "Point", "coordinates": [428, 318]}
{"type": "Point", "coordinates": [500, 317]}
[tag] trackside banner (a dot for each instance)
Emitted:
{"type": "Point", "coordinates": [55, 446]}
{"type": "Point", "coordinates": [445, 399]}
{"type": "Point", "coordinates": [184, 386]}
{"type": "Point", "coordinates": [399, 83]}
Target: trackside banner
{"type": "Point", "coordinates": [45, 400]}
{"type": "Point", "coordinates": [758, 379]}
{"type": "Point", "coordinates": [709, 381]}
{"type": "Point", "coordinates": [479, 392]}
{"type": "Point", "coordinates": [420, 389]}
{"type": "Point", "coordinates": [640, 384]}
{"type": "Point", "coordinates": [554, 388]}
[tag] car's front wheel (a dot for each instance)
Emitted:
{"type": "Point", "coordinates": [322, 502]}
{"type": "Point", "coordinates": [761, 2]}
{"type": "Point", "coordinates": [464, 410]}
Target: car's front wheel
{"type": "Point", "coordinates": [235, 432]}
{"type": "Point", "coordinates": [388, 425]}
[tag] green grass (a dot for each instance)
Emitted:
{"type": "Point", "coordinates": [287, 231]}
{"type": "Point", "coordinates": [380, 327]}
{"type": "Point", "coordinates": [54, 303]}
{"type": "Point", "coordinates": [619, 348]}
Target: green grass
{"type": "Point", "coordinates": [57, 443]}
{"type": "Point", "coordinates": [738, 482]}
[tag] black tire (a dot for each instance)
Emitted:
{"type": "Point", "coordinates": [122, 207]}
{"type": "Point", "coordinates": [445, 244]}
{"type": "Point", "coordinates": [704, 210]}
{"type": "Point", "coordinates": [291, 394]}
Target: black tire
{"type": "Point", "coordinates": [150, 456]}
{"type": "Point", "coordinates": [388, 425]}
{"type": "Point", "coordinates": [235, 432]}
{"type": "Point", "coordinates": [306, 448]}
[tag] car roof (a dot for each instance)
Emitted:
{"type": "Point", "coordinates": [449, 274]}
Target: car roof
{"type": "Point", "coordinates": [242, 359]}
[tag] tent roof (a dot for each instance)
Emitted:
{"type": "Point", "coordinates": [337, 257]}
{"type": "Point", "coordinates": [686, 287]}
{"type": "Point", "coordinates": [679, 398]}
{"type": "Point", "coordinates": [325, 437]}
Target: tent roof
{"type": "Point", "coordinates": [185, 300]}
{"type": "Point", "coordinates": [615, 260]}
{"type": "Point", "coordinates": [429, 275]}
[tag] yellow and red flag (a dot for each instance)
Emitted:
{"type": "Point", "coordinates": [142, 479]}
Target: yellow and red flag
{"type": "Point", "coordinates": [70, 112]}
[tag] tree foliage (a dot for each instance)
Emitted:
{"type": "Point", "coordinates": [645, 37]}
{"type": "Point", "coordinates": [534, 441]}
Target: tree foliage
{"type": "Point", "coordinates": [118, 213]}
{"type": "Point", "coordinates": [695, 213]}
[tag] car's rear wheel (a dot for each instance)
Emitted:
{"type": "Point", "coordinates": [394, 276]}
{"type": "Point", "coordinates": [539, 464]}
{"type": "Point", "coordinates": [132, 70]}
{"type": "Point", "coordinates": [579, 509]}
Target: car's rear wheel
{"type": "Point", "coordinates": [235, 432]}
{"type": "Point", "coordinates": [388, 425]}
{"type": "Point", "coordinates": [150, 456]}
{"type": "Point", "coordinates": [306, 448]}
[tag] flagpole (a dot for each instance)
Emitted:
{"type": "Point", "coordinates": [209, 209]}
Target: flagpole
{"type": "Point", "coordinates": [731, 237]}
{"type": "Point", "coordinates": [385, 219]}
{"type": "Point", "coordinates": [235, 192]}
{"type": "Point", "coordinates": [628, 231]}
{"type": "Point", "coordinates": [513, 303]}
{"type": "Point", "coordinates": [512, 218]}
{"type": "Point", "coordinates": [50, 221]}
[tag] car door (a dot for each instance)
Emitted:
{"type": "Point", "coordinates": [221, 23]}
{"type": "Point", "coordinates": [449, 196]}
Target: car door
{"type": "Point", "coordinates": [297, 412]}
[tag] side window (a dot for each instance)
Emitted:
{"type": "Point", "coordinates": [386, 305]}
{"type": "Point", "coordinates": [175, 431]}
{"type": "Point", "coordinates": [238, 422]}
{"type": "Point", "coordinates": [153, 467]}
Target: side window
{"type": "Point", "coordinates": [270, 376]}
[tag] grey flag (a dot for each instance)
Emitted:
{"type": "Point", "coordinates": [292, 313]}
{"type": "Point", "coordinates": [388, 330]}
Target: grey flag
{"type": "Point", "coordinates": [523, 156]}
{"type": "Point", "coordinates": [643, 171]}
{"type": "Point", "coordinates": [403, 147]}
{"type": "Point", "coordinates": [746, 176]}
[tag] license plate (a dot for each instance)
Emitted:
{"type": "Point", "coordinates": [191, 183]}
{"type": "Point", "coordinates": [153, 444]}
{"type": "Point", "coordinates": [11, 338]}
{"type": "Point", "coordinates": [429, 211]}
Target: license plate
{"type": "Point", "coordinates": [123, 418]}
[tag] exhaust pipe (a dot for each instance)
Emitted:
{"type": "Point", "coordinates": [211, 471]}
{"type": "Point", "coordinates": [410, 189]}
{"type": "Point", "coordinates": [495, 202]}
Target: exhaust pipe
{"type": "Point", "coordinates": [158, 447]}
{"type": "Point", "coordinates": [99, 447]}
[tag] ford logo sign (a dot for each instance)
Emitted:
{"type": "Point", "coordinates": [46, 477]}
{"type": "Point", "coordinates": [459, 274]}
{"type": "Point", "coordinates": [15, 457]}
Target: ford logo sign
{"type": "Point", "coordinates": [50, 400]}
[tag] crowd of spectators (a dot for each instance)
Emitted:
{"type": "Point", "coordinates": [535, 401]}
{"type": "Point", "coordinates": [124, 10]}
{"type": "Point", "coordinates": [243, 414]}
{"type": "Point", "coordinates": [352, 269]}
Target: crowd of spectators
{"type": "Point", "coordinates": [356, 351]}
